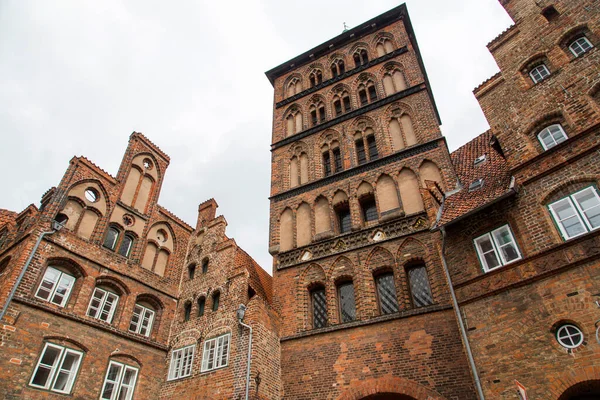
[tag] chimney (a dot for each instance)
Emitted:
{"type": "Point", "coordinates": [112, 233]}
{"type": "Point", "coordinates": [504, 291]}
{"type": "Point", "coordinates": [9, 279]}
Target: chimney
{"type": "Point", "coordinates": [206, 212]}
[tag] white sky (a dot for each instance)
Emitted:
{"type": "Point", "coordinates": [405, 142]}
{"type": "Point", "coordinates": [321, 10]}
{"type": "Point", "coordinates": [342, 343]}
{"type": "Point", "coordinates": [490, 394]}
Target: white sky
{"type": "Point", "coordinates": [77, 77]}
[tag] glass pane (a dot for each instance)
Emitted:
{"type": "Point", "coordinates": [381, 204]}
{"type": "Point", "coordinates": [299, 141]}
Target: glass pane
{"type": "Point", "coordinates": [124, 393]}
{"type": "Point", "coordinates": [491, 260]}
{"type": "Point", "coordinates": [573, 226]}
{"type": "Point", "coordinates": [201, 305]}
{"type": "Point", "coordinates": [485, 244]}
{"type": "Point", "coordinates": [509, 252]}
{"type": "Point", "coordinates": [41, 376]}
{"type": "Point", "coordinates": [419, 287]}
{"type": "Point", "coordinates": [108, 390]}
{"type": "Point", "coordinates": [386, 290]}
{"type": "Point", "coordinates": [125, 246]}
{"type": "Point", "coordinates": [586, 199]}
{"type": "Point", "coordinates": [111, 238]}
{"type": "Point", "coordinates": [216, 302]}
{"type": "Point", "coordinates": [547, 139]}
{"type": "Point", "coordinates": [61, 381]}
{"type": "Point", "coordinates": [50, 355]}
{"type": "Point", "coordinates": [70, 361]}
{"type": "Point", "coordinates": [319, 304]}
{"type": "Point", "coordinates": [563, 209]}
{"type": "Point", "coordinates": [347, 305]}
{"type": "Point", "coordinates": [502, 236]}
{"type": "Point", "coordinates": [369, 209]}
{"type": "Point", "coordinates": [225, 350]}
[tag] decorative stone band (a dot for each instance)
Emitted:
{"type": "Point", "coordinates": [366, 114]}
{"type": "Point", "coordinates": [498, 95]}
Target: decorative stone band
{"type": "Point", "coordinates": [401, 155]}
{"type": "Point", "coordinates": [354, 240]}
{"type": "Point", "coordinates": [352, 114]}
{"type": "Point", "coordinates": [348, 73]}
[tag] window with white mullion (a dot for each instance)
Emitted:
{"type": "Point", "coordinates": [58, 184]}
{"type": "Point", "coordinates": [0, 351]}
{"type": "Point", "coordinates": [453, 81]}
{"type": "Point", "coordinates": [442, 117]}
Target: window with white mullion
{"type": "Point", "coordinates": [56, 369]}
{"type": "Point", "coordinates": [216, 353]}
{"type": "Point", "coordinates": [580, 46]}
{"type": "Point", "coordinates": [102, 305]}
{"type": "Point", "coordinates": [55, 286]}
{"type": "Point", "coordinates": [141, 320]}
{"type": "Point", "coordinates": [588, 204]}
{"type": "Point", "coordinates": [539, 73]}
{"type": "Point", "coordinates": [497, 248]}
{"type": "Point", "coordinates": [551, 136]}
{"type": "Point", "coordinates": [181, 362]}
{"type": "Point", "coordinates": [487, 252]}
{"type": "Point", "coordinates": [505, 243]}
{"type": "Point", "coordinates": [119, 382]}
{"type": "Point", "coordinates": [128, 383]}
{"type": "Point", "coordinates": [568, 219]}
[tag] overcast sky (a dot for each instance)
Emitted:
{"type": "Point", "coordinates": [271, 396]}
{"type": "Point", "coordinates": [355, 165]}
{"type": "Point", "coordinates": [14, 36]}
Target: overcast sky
{"type": "Point", "coordinates": [77, 77]}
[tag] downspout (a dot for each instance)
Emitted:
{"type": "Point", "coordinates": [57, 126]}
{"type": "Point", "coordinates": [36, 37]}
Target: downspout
{"type": "Point", "coordinates": [461, 325]}
{"type": "Point", "coordinates": [55, 227]}
{"type": "Point", "coordinates": [241, 312]}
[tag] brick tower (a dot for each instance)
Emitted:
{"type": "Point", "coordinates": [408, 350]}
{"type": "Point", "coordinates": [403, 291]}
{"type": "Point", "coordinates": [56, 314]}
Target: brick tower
{"type": "Point", "coordinates": [359, 168]}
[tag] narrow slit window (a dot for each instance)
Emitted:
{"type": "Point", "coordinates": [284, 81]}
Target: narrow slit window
{"type": "Point", "coordinates": [361, 156]}
{"type": "Point", "coordinates": [337, 159]}
{"type": "Point", "coordinates": [373, 154]}
{"type": "Point", "coordinates": [326, 164]}
{"type": "Point", "coordinates": [321, 114]}
{"type": "Point", "coordinates": [338, 107]}
{"type": "Point", "coordinates": [319, 308]}
{"type": "Point", "coordinates": [346, 101]}
{"type": "Point", "coordinates": [362, 94]}
{"type": "Point", "coordinates": [372, 93]}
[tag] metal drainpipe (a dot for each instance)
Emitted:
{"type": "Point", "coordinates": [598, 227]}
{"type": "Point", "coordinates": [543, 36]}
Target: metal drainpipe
{"type": "Point", "coordinates": [22, 274]}
{"type": "Point", "coordinates": [463, 332]}
{"type": "Point", "coordinates": [249, 357]}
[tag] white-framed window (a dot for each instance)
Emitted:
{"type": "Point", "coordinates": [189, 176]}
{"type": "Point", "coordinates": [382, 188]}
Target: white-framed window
{"type": "Point", "coordinates": [103, 305]}
{"type": "Point", "coordinates": [497, 248]}
{"type": "Point", "coordinates": [56, 368]}
{"type": "Point", "coordinates": [551, 136]}
{"type": "Point", "coordinates": [569, 336]}
{"type": "Point", "coordinates": [216, 353]}
{"type": "Point", "coordinates": [55, 286]}
{"type": "Point", "coordinates": [539, 73]}
{"type": "Point", "coordinates": [181, 362]}
{"type": "Point", "coordinates": [141, 320]}
{"type": "Point", "coordinates": [577, 213]}
{"type": "Point", "coordinates": [119, 382]}
{"type": "Point", "coordinates": [580, 46]}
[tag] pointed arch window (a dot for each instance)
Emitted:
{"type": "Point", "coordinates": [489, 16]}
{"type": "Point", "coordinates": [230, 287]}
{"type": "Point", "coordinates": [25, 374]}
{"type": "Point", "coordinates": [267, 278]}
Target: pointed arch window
{"type": "Point", "coordinates": [294, 87]}
{"type": "Point", "coordinates": [341, 103]}
{"type": "Point", "coordinates": [201, 306]}
{"type": "Point", "coordinates": [346, 301]}
{"type": "Point", "coordinates": [367, 93]}
{"type": "Point", "coordinates": [386, 293]}
{"type": "Point", "coordinates": [361, 57]}
{"type": "Point", "coordinates": [332, 158]}
{"type": "Point", "coordinates": [384, 46]}
{"type": "Point", "coordinates": [420, 290]}
{"type": "Point", "coordinates": [366, 146]}
{"type": "Point", "coordinates": [315, 78]}
{"type": "Point", "coordinates": [318, 307]}
{"type": "Point", "coordinates": [337, 68]}
{"type": "Point", "coordinates": [317, 113]}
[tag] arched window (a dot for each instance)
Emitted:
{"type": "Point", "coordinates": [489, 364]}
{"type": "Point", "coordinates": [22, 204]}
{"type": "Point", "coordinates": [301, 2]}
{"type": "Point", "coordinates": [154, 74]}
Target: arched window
{"type": "Point", "coordinates": [366, 199]}
{"type": "Point", "coordinates": [126, 245]}
{"type": "Point", "coordinates": [393, 82]}
{"type": "Point", "coordinates": [539, 73]}
{"type": "Point", "coordinates": [293, 121]}
{"type": "Point", "coordinates": [551, 136]}
{"type": "Point", "coordinates": [56, 369]}
{"type": "Point", "coordinates": [386, 293]}
{"type": "Point", "coordinates": [315, 77]}
{"type": "Point", "coordinates": [317, 113]}
{"type": "Point", "coordinates": [387, 194]}
{"type": "Point", "coordinates": [205, 265]}
{"type": "Point", "coordinates": [332, 158]}
{"type": "Point", "coordinates": [367, 93]}
{"type": "Point", "coordinates": [215, 301]}
{"type": "Point", "coordinates": [158, 249]}
{"type": "Point", "coordinates": [294, 87]}
{"type": "Point", "coordinates": [187, 311]}
{"type": "Point", "coordinates": [341, 103]}
{"type": "Point", "coordinates": [116, 241]}
{"type": "Point", "coordinates": [361, 57]}
{"type": "Point", "coordinates": [341, 207]}
{"type": "Point", "coordinates": [384, 46]}
{"type": "Point", "coordinates": [201, 306]}
{"type": "Point", "coordinates": [112, 237]}
{"type": "Point", "coordinates": [318, 307]}
{"type": "Point", "coordinates": [119, 382]}
{"type": "Point", "coordinates": [412, 202]}
{"type": "Point", "coordinates": [103, 304]}
{"type": "Point", "coordinates": [580, 46]}
{"type": "Point", "coordinates": [366, 147]}
{"type": "Point", "coordinates": [337, 68]}
{"type": "Point", "coordinates": [322, 217]}
{"type": "Point", "coordinates": [303, 225]}
{"type": "Point", "coordinates": [142, 319]}
{"type": "Point", "coordinates": [286, 230]}
{"type": "Point", "coordinates": [139, 185]}
{"type": "Point", "coordinates": [420, 290]}
{"type": "Point", "coordinates": [191, 271]}
{"type": "Point", "coordinates": [347, 306]}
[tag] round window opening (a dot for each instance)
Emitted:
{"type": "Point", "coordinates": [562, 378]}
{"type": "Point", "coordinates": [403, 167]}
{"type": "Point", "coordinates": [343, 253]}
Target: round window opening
{"type": "Point", "coordinates": [161, 235]}
{"type": "Point", "coordinates": [128, 220]}
{"type": "Point", "coordinates": [147, 163]}
{"type": "Point", "coordinates": [569, 336]}
{"type": "Point", "coordinates": [91, 195]}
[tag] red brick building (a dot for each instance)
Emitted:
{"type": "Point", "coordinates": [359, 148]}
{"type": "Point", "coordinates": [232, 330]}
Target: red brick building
{"type": "Point", "coordinates": [401, 270]}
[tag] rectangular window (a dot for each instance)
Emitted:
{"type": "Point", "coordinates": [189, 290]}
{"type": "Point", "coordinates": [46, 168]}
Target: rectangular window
{"type": "Point", "coordinates": [103, 305]}
{"type": "Point", "coordinates": [373, 155]}
{"type": "Point", "coordinates": [539, 73]}
{"type": "Point", "coordinates": [338, 107]}
{"type": "Point", "coordinates": [362, 94]}
{"type": "Point", "coordinates": [55, 287]}
{"type": "Point", "coordinates": [360, 152]}
{"type": "Point", "coordinates": [337, 159]}
{"type": "Point", "coordinates": [141, 320]}
{"type": "Point", "coordinates": [56, 369]}
{"type": "Point", "coordinates": [369, 209]}
{"type": "Point", "coordinates": [344, 220]}
{"type": "Point", "coordinates": [580, 46]}
{"type": "Point", "coordinates": [119, 382]}
{"type": "Point", "coordinates": [321, 114]}
{"type": "Point", "coordinates": [497, 248]}
{"type": "Point", "coordinates": [181, 362]}
{"type": "Point", "coordinates": [347, 305]}
{"type": "Point", "coordinates": [372, 93]}
{"type": "Point", "coordinates": [313, 117]}
{"type": "Point", "coordinates": [386, 292]}
{"type": "Point", "coordinates": [578, 213]}
{"type": "Point", "coordinates": [216, 353]}
{"type": "Point", "coordinates": [419, 286]}
{"type": "Point", "coordinates": [326, 164]}
{"type": "Point", "coordinates": [319, 308]}
{"type": "Point", "coordinates": [346, 103]}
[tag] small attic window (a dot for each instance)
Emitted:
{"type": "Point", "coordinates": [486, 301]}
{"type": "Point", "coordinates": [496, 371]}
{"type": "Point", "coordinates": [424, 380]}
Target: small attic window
{"type": "Point", "coordinates": [550, 13]}
{"type": "Point", "coordinates": [480, 159]}
{"type": "Point", "coordinates": [476, 184]}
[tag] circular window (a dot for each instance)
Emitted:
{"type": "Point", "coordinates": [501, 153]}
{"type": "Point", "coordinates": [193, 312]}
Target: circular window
{"type": "Point", "coordinates": [91, 195]}
{"type": "Point", "coordinates": [161, 235]}
{"type": "Point", "coordinates": [147, 163]}
{"type": "Point", "coordinates": [128, 220]}
{"type": "Point", "coordinates": [569, 336]}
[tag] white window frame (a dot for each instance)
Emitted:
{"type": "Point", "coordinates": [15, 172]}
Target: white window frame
{"type": "Point", "coordinates": [496, 248]}
{"type": "Point", "coordinates": [579, 213]}
{"type": "Point", "coordinates": [214, 351]}
{"type": "Point", "coordinates": [62, 278]}
{"type": "Point", "coordinates": [106, 295]}
{"type": "Point", "coordinates": [181, 362]}
{"type": "Point", "coordinates": [576, 42]}
{"type": "Point", "coordinates": [538, 69]}
{"type": "Point", "coordinates": [118, 382]}
{"type": "Point", "coordinates": [56, 369]}
{"type": "Point", "coordinates": [560, 336]}
{"type": "Point", "coordinates": [143, 313]}
{"type": "Point", "coordinates": [548, 130]}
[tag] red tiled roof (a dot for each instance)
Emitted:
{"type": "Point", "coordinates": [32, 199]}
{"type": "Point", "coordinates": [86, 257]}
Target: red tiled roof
{"type": "Point", "coordinates": [7, 217]}
{"type": "Point", "coordinates": [493, 171]}
{"type": "Point", "coordinates": [260, 280]}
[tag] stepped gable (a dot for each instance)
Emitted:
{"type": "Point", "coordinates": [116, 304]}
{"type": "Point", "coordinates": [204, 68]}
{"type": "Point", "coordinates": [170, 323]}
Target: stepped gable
{"type": "Point", "coordinates": [493, 170]}
{"type": "Point", "coordinates": [260, 280]}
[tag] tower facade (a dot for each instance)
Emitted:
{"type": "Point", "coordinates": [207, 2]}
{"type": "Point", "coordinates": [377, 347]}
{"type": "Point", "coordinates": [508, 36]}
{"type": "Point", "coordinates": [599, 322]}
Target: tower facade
{"type": "Point", "coordinates": [359, 168]}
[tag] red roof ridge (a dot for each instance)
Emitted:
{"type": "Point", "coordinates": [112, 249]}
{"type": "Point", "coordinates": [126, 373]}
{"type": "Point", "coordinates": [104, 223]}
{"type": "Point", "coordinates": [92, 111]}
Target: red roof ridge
{"type": "Point", "coordinates": [151, 143]}
{"type": "Point", "coordinates": [94, 166]}
{"type": "Point", "coordinates": [501, 35]}
{"type": "Point", "coordinates": [175, 217]}
{"type": "Point", "coordinates": [491, 78]}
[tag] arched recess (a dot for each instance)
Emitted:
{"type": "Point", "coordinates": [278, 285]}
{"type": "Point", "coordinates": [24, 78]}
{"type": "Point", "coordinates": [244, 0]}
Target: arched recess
{"type": "Point", "coordinates": [311, 278]}
{"type": "Point", "coordinates": [586, 390]}
{"type": "Point", "coordinates": [429, 171]}
{"type": "Point", "coordinates": [410, 192]}
{"type": "Point", "coordinates": [394, 82]}
{"type": "Point", "coordinates": [286, 230]}
{"type": "Point", "coordinates": [294, 176]}
{"type": "Point", "coordinates": [140, 184]}
{"type": "Point", "coordinates": [303, 225]}
{"type": "Point", "coordinates": [293, 85]}
{"type": "Point", "coordinates": [86, 204]}
{"type": "Point", "coordinates": [396, 387]}
{"type": "Point", "coordinates": [380, 258]}
{"type": "Point", "coordinates": [293, 120]}
{"type": "Point", "coordinates": [160, 246]}
{"type": "Point", "coordinates": [322, 215]}
{"type": "Point", "coordinates": [387, 194]}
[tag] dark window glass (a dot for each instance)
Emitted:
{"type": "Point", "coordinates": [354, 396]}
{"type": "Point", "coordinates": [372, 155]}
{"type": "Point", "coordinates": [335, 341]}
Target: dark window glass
{"type": "Point", "coordinates": [126, 245]}
{"type": "Point", "coordinates": [342, 67]}
{"type": "Point", "coordinates": [346, 103]}
{"type": "Point", "coordinates": [319, 77]}
{"type": "Point", "coordinates": [360, 152]}
{"type": "Point", "coordinates": [322, 114]}
{"type": "Point", "coordinates": [344, 221]}
{"type": "Point", "coordinates": [373, 155]}
{"type": "Point", "coordinates": [326, 164]}
{"type": "Point", "coordinates": [201, 304]}
{"type": "Point", "coordinates": [338, 107]}
{"type": "Point", "coordinates": [187, 311]}
{"type": "Point", "coordinates": [313, 117]}
{"type": "Point", "coordinates": [356, 60]}
{"type": "Point", "coordinates": [312, 80]}
{"type": "Point", "coordinates": [337, 159]}
{"type": "Point", "coordinates": [204, 266]}
{"type": "Point", "coordinates": [386, 291]}
{"type": "Point", "coordinates": [334, 73]}
{"type": "Point", "coordinates": [319, 308]}
{"type": "Point", "coordinates": [347, 306]}
{"type": "Point", "coordinates": [364, 57]}
{"type": "Point", "coordinates": [372, 93]}
{"type": "Point", "coordinates": [191, 271]}
{"type": "Point", "coordinates": [111, 238]}
{"type": "Point", "coordinates": [419, 286]}
{"type": "Point", "coordinates": [362, 94]}
{"type": "Point", "coordinates": [216, 297]}
{"type": "Point", "coordinates": [369, 208]}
